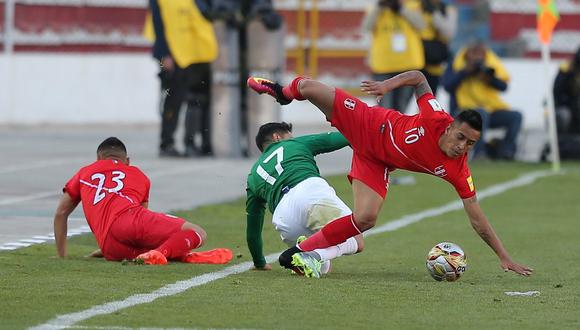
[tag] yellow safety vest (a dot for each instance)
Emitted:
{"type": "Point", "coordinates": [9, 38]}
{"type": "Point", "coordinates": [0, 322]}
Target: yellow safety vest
{"type": "Point", "coordinates": [473, 93]}
{"type": "Point", "coordinates": [396, 45]}
{"type": "Point", "coordinates": [430, 33]}
{"type": "Point", "coordinates": [190, 37]}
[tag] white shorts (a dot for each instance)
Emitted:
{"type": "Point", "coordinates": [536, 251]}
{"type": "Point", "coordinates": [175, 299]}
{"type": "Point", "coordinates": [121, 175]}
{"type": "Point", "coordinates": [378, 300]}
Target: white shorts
{"type": "Point", "coordinates": [306, 208]}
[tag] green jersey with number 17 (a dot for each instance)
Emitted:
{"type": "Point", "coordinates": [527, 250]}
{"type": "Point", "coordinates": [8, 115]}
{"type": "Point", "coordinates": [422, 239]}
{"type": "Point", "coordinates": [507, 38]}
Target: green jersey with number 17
{"type": "Point", "coordinates": [282, 165]}
{"type": "Point", "coordinates": [286, 163]}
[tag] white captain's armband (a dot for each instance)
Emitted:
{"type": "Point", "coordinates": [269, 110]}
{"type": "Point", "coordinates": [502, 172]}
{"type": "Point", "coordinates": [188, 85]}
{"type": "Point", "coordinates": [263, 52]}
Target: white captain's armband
{"type": "Point", "coordinates": [435, 105]}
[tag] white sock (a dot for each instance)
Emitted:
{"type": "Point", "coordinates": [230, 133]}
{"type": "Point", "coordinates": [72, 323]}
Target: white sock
{"type": "Point", "coordinates": [348, 247]}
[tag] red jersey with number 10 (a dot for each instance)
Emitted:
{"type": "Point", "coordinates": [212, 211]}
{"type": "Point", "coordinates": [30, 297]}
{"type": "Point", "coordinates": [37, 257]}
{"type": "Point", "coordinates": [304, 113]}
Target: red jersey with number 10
{"type": "Point", "coordinates": [411, 143]}
{"type": "Point", "coordinates": [106, 189]}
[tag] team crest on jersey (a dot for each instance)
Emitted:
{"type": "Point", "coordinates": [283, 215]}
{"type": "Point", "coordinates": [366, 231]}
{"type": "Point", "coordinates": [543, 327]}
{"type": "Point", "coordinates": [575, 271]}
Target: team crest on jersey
{"type": "Point", "coordinates": [349, 104]}
{"type": "Point", "coordinates": [470, 183]}
{"type": "Point", "coordinates": [440, 171]}
{"type": "Point", "coordinates": [435, 105]}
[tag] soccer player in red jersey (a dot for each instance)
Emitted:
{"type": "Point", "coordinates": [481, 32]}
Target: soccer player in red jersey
{"type": "Point", "coordinates": [114, 196]}
{"type": "Point", "coordinates": [383, 140]}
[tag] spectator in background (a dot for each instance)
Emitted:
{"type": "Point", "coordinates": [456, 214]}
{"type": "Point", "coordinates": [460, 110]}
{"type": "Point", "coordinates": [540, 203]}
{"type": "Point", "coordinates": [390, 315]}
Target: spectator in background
{"type": "Point", "coordinates": [440, 28]}
{"type": "Point", "coordinates": [567, 96]}
{"type": "Point", "coordinates": [185, 45]}
{"type": "Point", "coordinates": [474, 81]}
{"type": "Point", "coordinates": [396, 45]}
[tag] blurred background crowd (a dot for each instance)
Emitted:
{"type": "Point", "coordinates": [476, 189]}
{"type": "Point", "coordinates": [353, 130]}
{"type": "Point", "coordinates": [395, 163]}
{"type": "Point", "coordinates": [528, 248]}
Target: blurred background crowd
{"type": "Point", "coordinates": [186, 61]}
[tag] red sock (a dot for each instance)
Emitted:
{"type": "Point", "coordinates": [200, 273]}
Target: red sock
{"type": "Point", "coordinates": [331, 234]}
{"type": "Point", "coordinates": [180, 243]}
{"type": "Point", "coordinates": [292, 92]}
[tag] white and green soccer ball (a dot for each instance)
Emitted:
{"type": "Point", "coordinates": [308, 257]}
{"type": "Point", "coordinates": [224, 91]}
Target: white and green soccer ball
{"type": "Point", "coordinates": [446, 262]}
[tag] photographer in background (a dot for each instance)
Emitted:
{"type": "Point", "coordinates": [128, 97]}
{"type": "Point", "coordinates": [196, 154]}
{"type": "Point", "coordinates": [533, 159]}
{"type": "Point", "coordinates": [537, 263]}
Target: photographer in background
{"type": "Point", "coordinates": [474, 80]}
{"type": "Point", "coordinates": [395, 45]}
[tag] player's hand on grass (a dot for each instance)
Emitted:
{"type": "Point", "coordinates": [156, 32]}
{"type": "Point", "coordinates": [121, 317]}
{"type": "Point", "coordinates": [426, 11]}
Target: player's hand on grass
{"type": "Point", "coordinates": [516, 268]}
{"type": "Point", "coordinates": [265, 267]}
{"type": "Point", "coordinates": [95, 254]}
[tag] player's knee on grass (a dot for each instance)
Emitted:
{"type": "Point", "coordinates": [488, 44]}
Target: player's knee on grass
{"type": "Point", "coordinates": [360, 243]}
{"type": "Point", "coordinates": [202, 234]}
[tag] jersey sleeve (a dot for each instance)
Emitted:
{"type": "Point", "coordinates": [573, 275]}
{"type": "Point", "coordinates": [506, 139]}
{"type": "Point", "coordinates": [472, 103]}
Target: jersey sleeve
{"type": "Point", "coordinates": [323, 142]}
{"type": "Point", "coordinates": [73, 187]}
{"type": "Point", "coordinates": [463, 182]}
{"type": "Point", "coordinates": [255, 209]}
{"type": "Point", "coordinates": [430, 108]}
{"type": "Point", "coordinates": [143, 182]}
{"type": "Point", "coordinates": [147, 189]}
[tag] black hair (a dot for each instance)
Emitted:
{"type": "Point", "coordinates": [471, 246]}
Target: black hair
{"type": "Point", "coordinates": [112, 146]}
{"type": "Point", "coordinates": [471, 117]}
{"type": "Point", "coordinates": [265, 132]}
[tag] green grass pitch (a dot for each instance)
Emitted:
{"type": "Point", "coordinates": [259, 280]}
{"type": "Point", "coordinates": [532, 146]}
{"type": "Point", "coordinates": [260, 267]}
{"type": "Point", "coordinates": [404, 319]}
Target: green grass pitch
{"type": "Point", "coordinates": [385, 287]}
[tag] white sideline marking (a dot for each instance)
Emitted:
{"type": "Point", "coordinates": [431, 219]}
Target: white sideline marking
{"type": "Point", "coordinates": [44, 238]}
{"type": "Point", "coordinates": [458, 205]}
{"type": "Point", "coordinates": [68, 320]}
{"type": "Point", "coordinates": [141, 328]}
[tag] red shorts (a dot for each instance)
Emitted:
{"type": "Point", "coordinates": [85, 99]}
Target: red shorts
{"type": "Point", "coordinates": [138, 230]}
{"type": "Point", "coordinates": [364, 127]}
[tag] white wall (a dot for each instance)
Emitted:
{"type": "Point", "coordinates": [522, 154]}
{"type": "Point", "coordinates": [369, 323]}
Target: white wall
{"type": "Point", "coordinates": [76, 88]}
{"type": "Point", "coordinates": [105, 88]}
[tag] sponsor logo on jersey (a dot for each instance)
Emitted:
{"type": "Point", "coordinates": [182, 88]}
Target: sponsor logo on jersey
{"type": "Point", "coordinates": [440, 171]}
{"type": "Point", "coordinates": [470, 183]}
{"type": "Point", "coordinates": [349, 104]}
{"type": "Point", "coordinates": [435, 105]}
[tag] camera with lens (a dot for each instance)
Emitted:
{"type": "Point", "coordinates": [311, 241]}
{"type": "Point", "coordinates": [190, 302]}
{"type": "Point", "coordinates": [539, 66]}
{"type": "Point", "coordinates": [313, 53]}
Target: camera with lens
{"type": "Point", "coordinates": [477, 66]}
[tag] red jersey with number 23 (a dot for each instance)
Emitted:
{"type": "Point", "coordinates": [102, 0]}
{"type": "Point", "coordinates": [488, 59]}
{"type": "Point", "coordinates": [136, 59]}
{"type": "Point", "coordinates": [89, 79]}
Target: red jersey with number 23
{"type": "Point", "coordinates": [106, 189]}
{"type": "Point", "coordinates": [412, 144]}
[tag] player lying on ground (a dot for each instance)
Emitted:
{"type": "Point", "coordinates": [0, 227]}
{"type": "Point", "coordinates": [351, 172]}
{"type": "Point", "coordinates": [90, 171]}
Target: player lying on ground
{"type": "Point", "coordinates": [383, 140]}
{"type": "Point", "coordinates": [115, 195]}
{"type": "Point", "coordinates": [287, 179]}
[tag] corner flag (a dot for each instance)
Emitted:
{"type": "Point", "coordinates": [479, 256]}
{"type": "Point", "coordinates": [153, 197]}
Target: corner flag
{"type": "Point", "coordinates": [547, 17]}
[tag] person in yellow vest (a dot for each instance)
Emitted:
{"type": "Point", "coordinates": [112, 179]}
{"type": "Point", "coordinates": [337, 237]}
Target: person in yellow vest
{"type": "Point", "coordinates": [185, 45]}
{"type": "Point", "coordinates": [474, 80]}
{"type": "Point", "coordinates": [395, 45]}
{"type": "Point", "coordinates": [440, 28]}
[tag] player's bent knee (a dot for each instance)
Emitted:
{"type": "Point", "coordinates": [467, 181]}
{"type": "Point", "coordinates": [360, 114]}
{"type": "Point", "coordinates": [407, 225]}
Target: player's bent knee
{"type": "Point", "coordinates": [190, 226]}
{"type": "Point", "coordinates": [365, 221]}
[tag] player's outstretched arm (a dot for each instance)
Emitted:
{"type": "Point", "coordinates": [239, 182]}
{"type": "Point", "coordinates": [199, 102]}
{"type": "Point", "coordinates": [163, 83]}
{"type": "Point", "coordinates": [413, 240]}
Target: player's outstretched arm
{"type": "Point", "coordinates": [255, 209]}
{"type": "Point", "coordinates": [483, 228]}
{"type": "Point", "coordinates": [409, 78]}
{"type": "Point", "coordinates": [65, 207]}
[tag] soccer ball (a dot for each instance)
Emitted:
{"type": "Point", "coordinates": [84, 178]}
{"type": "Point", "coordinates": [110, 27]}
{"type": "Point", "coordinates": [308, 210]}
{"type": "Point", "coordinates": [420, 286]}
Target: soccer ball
{"type": "Point", "coordinates": [446, 262]}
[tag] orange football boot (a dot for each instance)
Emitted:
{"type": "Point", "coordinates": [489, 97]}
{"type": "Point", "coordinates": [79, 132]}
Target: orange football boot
{"type": "Point", "coordinates": [215, 256]}
{"type": "Point", "coordinates": [265, 86]}
{"type": "Point", "coordinates": [152, 257]}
